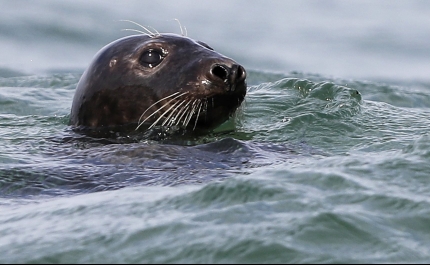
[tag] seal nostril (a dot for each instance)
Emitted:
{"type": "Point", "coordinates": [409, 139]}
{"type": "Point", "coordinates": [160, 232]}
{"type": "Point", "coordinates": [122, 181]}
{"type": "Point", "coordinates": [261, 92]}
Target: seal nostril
{"type": "Point", "coordinates": [219, 72]}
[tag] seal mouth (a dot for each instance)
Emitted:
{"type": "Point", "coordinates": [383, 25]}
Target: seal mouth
{"type": "Point", "coordinates": [217, 109]}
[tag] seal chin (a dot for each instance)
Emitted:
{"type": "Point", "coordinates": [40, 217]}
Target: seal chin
{"type": "Point", "coordinates": [165, 80]}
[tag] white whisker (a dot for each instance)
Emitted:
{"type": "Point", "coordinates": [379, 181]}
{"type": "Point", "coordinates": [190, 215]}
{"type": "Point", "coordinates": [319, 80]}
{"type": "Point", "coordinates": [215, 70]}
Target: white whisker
{"type": "Point", "coordinates": [175, 95]}
{"type": "Point", "coordinates": [150, 33]}
{"type": "Point", "coordinates": [173, 119]}
{"type": "Point", "coordinates": [176, 105]}
{"type": "Point", "coordinates": [198, 113]}
{"type": "Point", "coordinates": [161, 116]}
{"type": "Point", "coordinates": [141, 116]}
{"type": "Point", "coordinates": [135, 30]}
{"type": "Point", "coordinates": [193, 108]}
{"type": "Point", "coordinates": [180, 26]}
{"type": "Point", "coordinates": [158, 33]}
{"type": "Point", "coordinates": [187, 114]}
{"type": "Point", "coordinates": [183, 111]}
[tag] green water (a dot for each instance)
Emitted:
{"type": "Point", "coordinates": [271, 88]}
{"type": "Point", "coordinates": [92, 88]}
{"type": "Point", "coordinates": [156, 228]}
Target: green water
{"type": "Point", "coordinates": [315, 170]}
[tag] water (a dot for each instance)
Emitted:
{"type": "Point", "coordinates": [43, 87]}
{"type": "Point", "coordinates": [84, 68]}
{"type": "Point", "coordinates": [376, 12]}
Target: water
{"type": "Point", "coordinates": [327, 161]}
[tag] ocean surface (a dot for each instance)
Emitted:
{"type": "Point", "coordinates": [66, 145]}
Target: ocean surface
{"type": "Point", "coordinates": [327, 161]}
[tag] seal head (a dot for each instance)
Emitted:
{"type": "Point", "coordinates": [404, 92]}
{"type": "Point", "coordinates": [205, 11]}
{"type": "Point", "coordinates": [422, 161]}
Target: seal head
{"type": "Point", "coordinates": [162, 80]}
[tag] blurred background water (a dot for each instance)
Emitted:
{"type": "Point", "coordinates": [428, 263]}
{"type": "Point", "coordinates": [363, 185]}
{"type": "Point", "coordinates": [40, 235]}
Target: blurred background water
{"type": "Point", "coordinates": [355, 39]}
{"type": "Point", "coordinates": [327, 161]}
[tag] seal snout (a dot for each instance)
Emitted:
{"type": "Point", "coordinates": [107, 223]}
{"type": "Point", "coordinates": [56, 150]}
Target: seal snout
{"type": "Point", "coordinates": [230, 75]}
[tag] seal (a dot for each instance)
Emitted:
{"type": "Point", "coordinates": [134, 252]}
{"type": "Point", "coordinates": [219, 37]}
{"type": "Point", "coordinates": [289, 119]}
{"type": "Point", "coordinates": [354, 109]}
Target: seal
{"type": "Point", "coordinates": [151, 80]}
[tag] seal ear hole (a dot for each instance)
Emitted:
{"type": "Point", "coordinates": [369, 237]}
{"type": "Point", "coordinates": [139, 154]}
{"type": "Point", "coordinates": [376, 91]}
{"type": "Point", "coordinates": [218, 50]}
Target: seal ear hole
{"type": "Point", "coordinates": [151, 58]}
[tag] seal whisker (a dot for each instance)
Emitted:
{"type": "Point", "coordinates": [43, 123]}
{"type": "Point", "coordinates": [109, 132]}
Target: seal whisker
{"type": "Point", "coordinates": [192, 110]}
{"type": "Point", "coordinates": [182, 28]}
{"type": "Point", "coordinates": [169, 118]}
{"type": "Point", "coordinates": [135, 30]}
{"type": "Point", "coordinates": [141, 116]}
{"type": "Point", "coordinates": [162, 115]}
{"type": "Point", "coordinates": [198, 113]}
{"type": "Point", "coordinates": [158, 33]}
{"type": "Point", "coordinates": [183, 111]}
{"type": "Point", "coordinates": [178, 112]}
{"type": "Point", "coordinates": [175, 95]}
{"type": "Point", "coordinates": [187, 113]}
{"type": "Point", "coordinates": [150, 33]}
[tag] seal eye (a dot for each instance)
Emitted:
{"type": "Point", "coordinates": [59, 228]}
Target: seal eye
{"type": "Point", "coordinates": [151, 58]}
